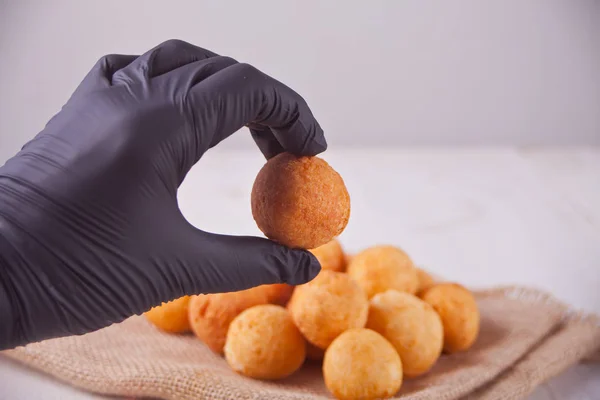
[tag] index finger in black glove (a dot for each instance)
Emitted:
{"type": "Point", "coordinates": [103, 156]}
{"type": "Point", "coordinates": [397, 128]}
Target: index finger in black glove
{"type": "Point", "coordinates": [162, 59]}
{"type": "Point", "coordinates": [114, 69]}
{"type": "Point", "coordinates": [101, 74]}
{"type": "Point", "coordinates": [242, 95]}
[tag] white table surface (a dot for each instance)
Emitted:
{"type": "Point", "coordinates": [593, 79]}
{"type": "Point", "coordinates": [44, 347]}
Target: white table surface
{"type": "Point", "coordinates": [481, 216]}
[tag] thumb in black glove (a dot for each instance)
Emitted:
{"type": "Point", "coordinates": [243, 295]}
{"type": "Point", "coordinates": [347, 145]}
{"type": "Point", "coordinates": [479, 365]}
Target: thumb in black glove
{"type": "Point", "coordinates": [90, 229]}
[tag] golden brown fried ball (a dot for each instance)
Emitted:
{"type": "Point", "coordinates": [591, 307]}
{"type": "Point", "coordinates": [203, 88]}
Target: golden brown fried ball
{"type": "Point", "coordinates": [172, 316]}
{"type": "Point", "coordinates": [380, 268]}
{"type": "Point", "coordinates": [300, 202]}
{"type": "Point", "coordinates": [411, 326]}
{"type": "Point", "coordinates": [211, 314]}
{"type": "Point", "coordinates": [362, 364]}
{"type": "Point", "coordinates": [331, 256]}
{"type": "Point", "coordinates": [458, 310]}
{"type": "Point", "coordinates": [425, 281]}
{"type": "Point", "coordinates": [264, 343]}
{"type": "Point", "coordinates": [279, 293]}
{"type": "Point", "coordinates": [327, 306]}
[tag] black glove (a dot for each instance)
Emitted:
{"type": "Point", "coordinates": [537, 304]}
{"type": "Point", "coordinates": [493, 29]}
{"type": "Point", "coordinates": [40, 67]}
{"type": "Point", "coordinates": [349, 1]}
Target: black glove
{"type": "Point", "coordinates": [90, 229]}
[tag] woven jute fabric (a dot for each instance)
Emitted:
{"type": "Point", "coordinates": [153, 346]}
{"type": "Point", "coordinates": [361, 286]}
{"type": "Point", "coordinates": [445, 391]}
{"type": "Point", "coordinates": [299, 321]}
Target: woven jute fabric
{"type": "Point", "coordinates": [526, 337]}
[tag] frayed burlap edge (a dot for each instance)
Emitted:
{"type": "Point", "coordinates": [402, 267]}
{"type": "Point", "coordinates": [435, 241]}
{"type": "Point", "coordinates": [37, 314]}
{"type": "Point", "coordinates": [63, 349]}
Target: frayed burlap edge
{"type": "Point", "coordinates": [575, 340]}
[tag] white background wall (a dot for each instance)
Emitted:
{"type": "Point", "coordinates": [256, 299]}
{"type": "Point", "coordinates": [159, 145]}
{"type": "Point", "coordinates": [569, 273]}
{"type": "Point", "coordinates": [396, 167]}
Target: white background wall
{"type": "Point", "coordinates": [385, 72]}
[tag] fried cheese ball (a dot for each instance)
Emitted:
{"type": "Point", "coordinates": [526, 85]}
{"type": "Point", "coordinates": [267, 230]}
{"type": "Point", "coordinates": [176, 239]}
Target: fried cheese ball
{"type": "Point", "coordinates": [411, 326]}
{"type": "Point", "coordinates": [331, 256]}
{"type": "Point", "coordinates": [425, 281]}
{"type": "Point", "coordinates": [264, 343]}
{"type": "Point", "coordinates": [362, 364]}
{"type": "Point", "coordinates": [300, 202]}
{"type": "Point", "coordinates": [279, 293]}
{"type": "Point", "coordinates": [458, 310]}
{"type": "Point", "coordinates": [172, 316]}
{"type": "Point", "coordinates": [211, 314]}
{"type": "Point", "coordinates": [380, 268]}
{"type": "Point", "coordinates": [327, 306]}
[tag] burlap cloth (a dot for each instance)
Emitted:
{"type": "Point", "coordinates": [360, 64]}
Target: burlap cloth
{"type": "Point", "coordinates": [526, 337]}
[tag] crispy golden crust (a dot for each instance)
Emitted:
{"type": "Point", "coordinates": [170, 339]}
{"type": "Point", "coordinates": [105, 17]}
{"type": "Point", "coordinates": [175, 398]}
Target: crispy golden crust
{"type": "Point", "coordinates": [211, 314]}
{"type": "Point", "coordinates": [172, 316]}
{"type": "Point", "coordinates": [264, 343]}
{"type": "Point", "coordinates": [380, 268]}
{"type": "Point", "coordinates": [331, 256]}
{"type": "Point", "coordinates": [362, 364]}
{"type": "Point", "coordinates": [411, 326]}
{"type": "Point", "coordinates": [279, 293]}
{"type": "Point", "coordinates": [327, 306]}
{"type": "Point", "coordinates": [458, 310]}
{"type": "Point", "coordinates": [300, 202]}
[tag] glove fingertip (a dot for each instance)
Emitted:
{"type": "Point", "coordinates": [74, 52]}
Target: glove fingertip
{"type": "Point", "coordinates": [302, 138]}
{"type": "Point", "coordinates": [307, 269]}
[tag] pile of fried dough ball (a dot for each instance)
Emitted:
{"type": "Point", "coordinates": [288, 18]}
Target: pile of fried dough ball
{"type": "Point", "coordinates": [372, 319]}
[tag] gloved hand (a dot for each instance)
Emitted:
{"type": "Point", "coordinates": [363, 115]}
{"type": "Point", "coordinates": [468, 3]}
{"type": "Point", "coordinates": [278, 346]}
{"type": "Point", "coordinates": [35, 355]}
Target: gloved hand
{"type": "Point", "coordinates": [90, 229]}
